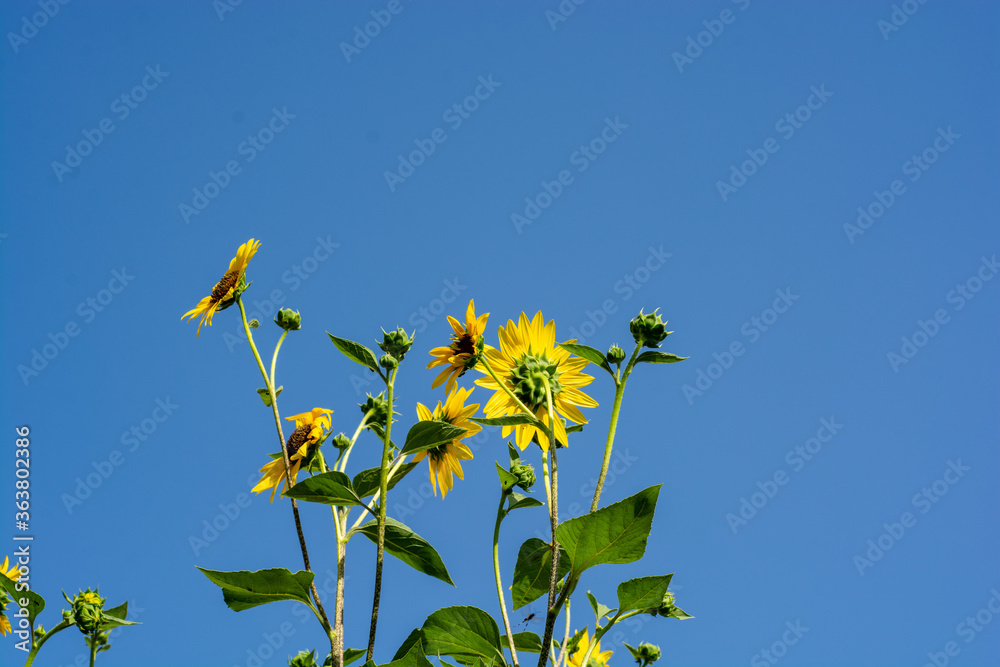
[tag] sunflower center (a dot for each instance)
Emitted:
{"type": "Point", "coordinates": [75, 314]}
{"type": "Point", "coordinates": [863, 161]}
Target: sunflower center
{"type": "Point", "coordinates": [227, 282]}
{"type": "Point", "coordinates": [530, 375]}
{"type": "Point", "coordinates": [299, 437]}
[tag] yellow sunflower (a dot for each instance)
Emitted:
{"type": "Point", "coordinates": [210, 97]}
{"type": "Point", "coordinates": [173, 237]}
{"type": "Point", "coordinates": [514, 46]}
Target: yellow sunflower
{"type": "Point", "coordinates": [223, 290]}
{"type": "Point", "coordinates": [446, 460]}
{"type": "Point", "coordinates": [528, 358]}
{"type": "Point", "coordinates": [13, 572]}
{"type": "Point", "coordinates": [462, 353]}
{"type": "Point", "coordinates": [310, 428]}
{"type": "Point", "coordinates": [597, 658]}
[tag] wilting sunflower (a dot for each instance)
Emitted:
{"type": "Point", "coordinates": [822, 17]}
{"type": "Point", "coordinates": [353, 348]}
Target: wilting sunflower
{"type": "Point", "coordinates": [446, 460]}
{"type": "Point", "coordinates": [527, 358]}
{"type": "Point", "coordinates": [597, 658]}
{"type": "Point", "coordinates": [310, 428]}
{"type": "Point", "coordinates": [463, 352]}
{"type": "Point", "coordinates": [223, 290]}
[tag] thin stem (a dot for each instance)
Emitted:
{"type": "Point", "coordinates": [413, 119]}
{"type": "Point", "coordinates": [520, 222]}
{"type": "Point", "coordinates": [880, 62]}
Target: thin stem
{"type": "Point", "coordinates": [338, 612]}
{"type": "Point", "coordinates": [603, 631]}
{"type": "Point", "coordinates": [552, 609]}
{"type": "Point", "coordinates": [395, 466]}
{"type": "Point", "coordinates": [354, 438]}
{"type": "Point", "coordinates": [274, 357]}
{"type": "Point", "coordinates": [619, 392]}
{"type": "Point", "coordinates": [268, 381]}
{"type": "Point", "coordinates": [37, 647]}
{"type": "Point", "coordinates": [562, 648]}
{"type": "Point", "coordinates": [383, 490]}
{"type": "Point", "coordinates": [93, 648]}
{"type": "Point", "coordinates": [496, 574]}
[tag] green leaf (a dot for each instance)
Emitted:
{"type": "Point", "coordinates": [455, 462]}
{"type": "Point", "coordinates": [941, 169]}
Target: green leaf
{"type": "Point", "coordinates": [591, 354]}
{"type": "Point", "coordinates": [356, 352]}
{"type": "Point", "coordinates": [244, 589]}
{"type": "Point", "coordinates": [654, 357]}
{"type": "Point", "coordinates": [353, 654]}
{"type": "Point", "coordinates": [117, 616]}
{"type": "Point", "coordinates": [528, 642]}
{"type": "Point", "coordinates": [34, 602]}
{"type": "Point", "coordinates": [642, 593]}
{"type": "Point", "coordinates": [533, 569]}
{"type": "Point", "coordinates": [507, 480]}
{"type": "Point", "coordinates": [425, 435]}
{"type": "Point", "coordinates": [516, 501]}
{"type": "Point", "coordinates": [515, 454]}
{"type": "Point", "coordinates": [575, 428]}
{"type": "Point", "coordinates": [600, 611]}
{"type": "Point", "coordinates": [329, 488]}
{"type": "Point", "coordinates": [413, 658]}
{"type": "Point", "coordinates": [509, 420]}
{"type": "Point", "coordinates": [265, 395]}
{"type": "Point", "coordinates": [614, 534]}
{"type": "Point", "coordinates": [409, 547]}
{"type": "Point", "coordinates": [366, 482]}
{"type": "Point", "coordinates": [678, 613]}
{"type": "Point", "coordinates": [464, 633]}
{"type": "Point", "coordinates": [417, 636]}
{"type": "Point", "coordinates": [634, 651]}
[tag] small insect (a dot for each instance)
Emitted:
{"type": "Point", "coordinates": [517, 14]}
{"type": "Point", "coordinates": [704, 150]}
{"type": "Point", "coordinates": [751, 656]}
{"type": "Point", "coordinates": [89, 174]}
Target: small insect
{"type": "Point", "coordinates": [528, 618]}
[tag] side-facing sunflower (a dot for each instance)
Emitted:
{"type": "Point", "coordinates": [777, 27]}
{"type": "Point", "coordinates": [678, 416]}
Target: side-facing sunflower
{"type": "Point", "coordinates": [597, 658]}
{"type": "Point", "coordinates": [446, 460]}
{"type": "Point", "coordinates": [310, 429]}
{"type": "Point", "coordinates": [528, 358]}
{"type": "Point", "coordinates": [12, 573]}
{"type": "Point", "coordinates": [223, 290]}
{"type": "Point", "coordinates": [463, 352]}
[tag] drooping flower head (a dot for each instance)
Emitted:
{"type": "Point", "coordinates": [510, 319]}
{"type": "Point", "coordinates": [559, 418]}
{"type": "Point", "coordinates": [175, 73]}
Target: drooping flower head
{"type": "Point", "coordinates": [527, 361]}
{"type": "Point", "coordinates": [597, 658]}
{"type": "Point", "coordinates": [464, 351]}
{"type": "Point", "coordinates": [310, 430]}
{"type": "Point", "coordinates": [223, 292]}
{"type": "Point", "coordinates": [445, 460]}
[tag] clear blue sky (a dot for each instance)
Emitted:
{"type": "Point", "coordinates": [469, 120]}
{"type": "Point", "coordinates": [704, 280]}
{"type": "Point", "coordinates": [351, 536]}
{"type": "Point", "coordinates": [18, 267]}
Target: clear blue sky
{"type": "Point", "coordinates": [632, 138]}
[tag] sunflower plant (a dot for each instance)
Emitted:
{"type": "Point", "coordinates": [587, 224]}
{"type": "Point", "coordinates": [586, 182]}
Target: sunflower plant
{"type": "Point", "coordinates": [537, 394]}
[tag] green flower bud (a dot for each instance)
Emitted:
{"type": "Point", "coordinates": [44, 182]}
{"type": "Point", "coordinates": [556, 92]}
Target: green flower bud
{"type": "Point", "coordinates": [648, 653]}
{"type": "Point", "coordinates": [254, 323]}
{"type": "Point", "coordinates": [288, 319]}
{"type": "Point", "coordinates": [341, 441]}
{"type": "Point", "coordinates": [397, 343]}
{"type": "Point", "coordinates": [648, 329]}
{"type": "Point", "coordinates": [525, 475]}
{"type": "Point", "coordinates": [378, 407]}
{"type": "Point", "coordinates": [388, 362]}
{"type": "Point", "coordinates": [88, 610]}
{"type": "Point", "coordinates": [303, 659]}
{"type": "Point", "coordinates": [615, 355]}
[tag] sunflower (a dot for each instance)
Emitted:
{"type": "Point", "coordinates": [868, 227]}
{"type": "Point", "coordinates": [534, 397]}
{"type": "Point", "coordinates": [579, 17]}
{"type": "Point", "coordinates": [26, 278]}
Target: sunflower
{"type": "Point", "coordinates": [12, 573]}
{"type": "Point", "coordinates": [528, 358]}
{"type": "Point", "coordinates": [310, 428]}
{"type": "Point", "coordinates": [597, 658]}
{"type": "Point", "coordinates": [464, 351]}
{"type": "Point", "coordinates": [223, 290]}
{"type": "Point", "coordinates": [446, 460]}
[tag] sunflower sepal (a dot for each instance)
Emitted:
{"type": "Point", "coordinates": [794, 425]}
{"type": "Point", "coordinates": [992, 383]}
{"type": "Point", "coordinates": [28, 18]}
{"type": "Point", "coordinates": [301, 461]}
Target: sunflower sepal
{"type": "Point", "coordinates": [648, 329]}
{"type": "Point", "coordinates": [396, 343]}
{"type": "Point", "coordinates": [507, 479]}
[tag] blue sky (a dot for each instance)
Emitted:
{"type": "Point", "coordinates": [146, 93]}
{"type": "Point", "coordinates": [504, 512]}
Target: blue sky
{"type": "Point", "coordinates": [709, 159]}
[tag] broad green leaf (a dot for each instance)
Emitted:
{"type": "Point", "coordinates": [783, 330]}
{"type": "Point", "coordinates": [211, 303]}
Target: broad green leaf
{"type": "Point", "coordinates": [416, 636]}
{"type": "Point", "coordinates": [366, 482]}
{"type": "Point", "coordinates": [353, 654]}
{"type": "Point", "coordinates": [654, 357]}
{"type": "Point", "coordinates": [33, 602]}
{"type": "Point", "coordinates": [614, 534]}
{"type": "Point", "coordinates": [244, 589]}
{"type": "Point", "coordinates": [355, 351]}
{"type": "Point", "coordinates": [509, 420]}
{"type": "Point", "coordinates": [642, 593]}
{"type": "Point", "coordinates": [532, 571]}
{"type": "Point", "coordinates": [516, 501]}
{"type": "Point", "coordinates": [329, 488]}
{"type": "Point", "coordinates": [464, 633]}
{"type": "Point", "coordinates": [591, 354]}
{"type": "Point", "coordinates": [265, 395]}
{"type": "Point", "coordinates": [600, 611]}
{"type": "Point", "coordinates": [428, 434]}
{"type": "Point", "coordinates": [507, 480]}
{"type": "Point", "coordinates": [409, 547]}
{"type": "Point", "coordinates": [528, 642]}
{"type": "Point", "coordinates": [413, 658]}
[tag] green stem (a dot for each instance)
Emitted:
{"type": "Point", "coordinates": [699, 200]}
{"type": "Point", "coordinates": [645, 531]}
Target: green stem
{"type": "Point", "coordinates": [382, 491]}
{"type": "Point", "coordinates": [619, 392]}
{"type": "Point", "coordinates": [354, 438]}
{"type": "Point", "coordinates": [603, 631]}
{"type": "Point", "coordinates": [37, 647]}
{"type": "Point", "coordinates": [552, 608]}
{"type": "Point", "coordinates": [562, 649]}
{"type": "Point", "coordinates": [269, 382]}
{"type": "Point", "coordinates": [93, 648]}
{"type": "Point", "coordinates": [496, 574]}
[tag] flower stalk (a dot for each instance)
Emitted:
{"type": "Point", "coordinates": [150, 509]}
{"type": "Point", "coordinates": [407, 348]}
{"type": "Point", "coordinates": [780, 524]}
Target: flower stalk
{"type": "Point", "coordinates": [382, 491]}
{"type": "Point", "coordinates": [613, 426]}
